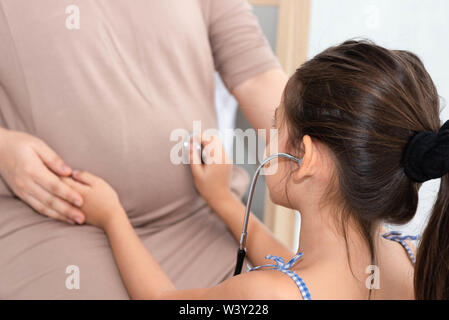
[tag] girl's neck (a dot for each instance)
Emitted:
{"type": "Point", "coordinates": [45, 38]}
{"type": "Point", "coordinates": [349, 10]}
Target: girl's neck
{"type": "Point", "coordinates": [321, 237]}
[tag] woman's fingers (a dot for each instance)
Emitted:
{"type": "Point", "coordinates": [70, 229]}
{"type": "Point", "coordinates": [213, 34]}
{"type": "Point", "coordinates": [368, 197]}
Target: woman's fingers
{"type": "Point", "coordinates": [51, 159]}
{"type": "Point", "coordinates": [31, 163]}
{"type": "Point", "coordinates": [45, 210]}
{"type": "Point", "coordinates": [53, 205]}
{"type": "Point", "coordinates": [54, 185]}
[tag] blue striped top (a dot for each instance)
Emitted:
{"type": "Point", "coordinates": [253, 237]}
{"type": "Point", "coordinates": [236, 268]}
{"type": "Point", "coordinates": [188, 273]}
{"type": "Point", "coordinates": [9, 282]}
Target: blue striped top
{"type": "Point", "coordinates": [285, 267]}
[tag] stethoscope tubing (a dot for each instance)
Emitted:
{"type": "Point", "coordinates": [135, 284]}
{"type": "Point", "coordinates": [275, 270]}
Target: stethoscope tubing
{"type": "Point", "coordinates": [241, 254]}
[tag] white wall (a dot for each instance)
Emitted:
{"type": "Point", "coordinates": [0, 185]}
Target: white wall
{"type": "Point", "coordinates": [418, 26]}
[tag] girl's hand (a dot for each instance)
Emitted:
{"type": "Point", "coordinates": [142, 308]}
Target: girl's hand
{"type": "Point", "coordinates": [101, 202]}
{"type": "Point", "coordinates": [212, 179]}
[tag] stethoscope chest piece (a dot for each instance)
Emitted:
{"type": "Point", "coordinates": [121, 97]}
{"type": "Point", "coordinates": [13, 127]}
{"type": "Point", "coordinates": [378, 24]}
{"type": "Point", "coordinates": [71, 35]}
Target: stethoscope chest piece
{"type": "Point", "coordinates": [186, 148]}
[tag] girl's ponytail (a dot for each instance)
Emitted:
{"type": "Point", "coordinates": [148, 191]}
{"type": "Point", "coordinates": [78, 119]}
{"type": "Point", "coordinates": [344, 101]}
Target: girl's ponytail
{"type": "Point", "coordinates": [432, 263]}
{"type": "Point", "coordinates": [427, 157]}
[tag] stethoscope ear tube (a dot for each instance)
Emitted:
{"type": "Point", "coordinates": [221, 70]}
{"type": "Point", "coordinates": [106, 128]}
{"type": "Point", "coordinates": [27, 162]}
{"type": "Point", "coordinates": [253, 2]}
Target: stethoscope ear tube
{"type": "Point", "coordinates": [241, 254]}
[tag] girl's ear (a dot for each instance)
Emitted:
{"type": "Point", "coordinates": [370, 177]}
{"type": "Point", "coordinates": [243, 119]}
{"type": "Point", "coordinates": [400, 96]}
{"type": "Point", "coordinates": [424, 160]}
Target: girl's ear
{"type": "Point", "coordinates": [309, 160]}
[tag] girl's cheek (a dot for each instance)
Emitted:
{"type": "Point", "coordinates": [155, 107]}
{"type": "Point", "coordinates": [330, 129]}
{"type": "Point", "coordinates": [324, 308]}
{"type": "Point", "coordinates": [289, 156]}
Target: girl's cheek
{"type": "Point", "coordinates": [275, 184]}
{"type": "Point", "coordinates": [270, 185]}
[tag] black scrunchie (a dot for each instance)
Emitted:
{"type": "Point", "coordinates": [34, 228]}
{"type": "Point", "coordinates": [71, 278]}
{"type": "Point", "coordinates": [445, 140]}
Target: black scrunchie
{"type": "Point", "coordinates": [426, 155]}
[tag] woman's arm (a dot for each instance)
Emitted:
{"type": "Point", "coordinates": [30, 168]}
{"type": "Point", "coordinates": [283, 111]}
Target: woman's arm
{"type": "Point", "coordinates": [259, 96]}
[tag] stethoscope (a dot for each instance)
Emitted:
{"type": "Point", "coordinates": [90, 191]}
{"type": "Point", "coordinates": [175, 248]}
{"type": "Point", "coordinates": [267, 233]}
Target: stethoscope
{"type": "Point", "coordinates": [241, 253]}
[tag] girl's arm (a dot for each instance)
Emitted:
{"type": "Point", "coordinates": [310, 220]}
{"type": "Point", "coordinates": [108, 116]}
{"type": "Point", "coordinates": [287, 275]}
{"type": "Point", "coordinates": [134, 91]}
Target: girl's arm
{"type": "Point", "coordinates": [212, 181]}
{"type": "Point", "coordinates": [145, 279]}
{"type": "Point", "coordinates": [141, 273]}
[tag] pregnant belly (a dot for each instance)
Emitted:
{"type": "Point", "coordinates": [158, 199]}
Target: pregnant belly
{"type": "Point", "coordinates": [131, 151]}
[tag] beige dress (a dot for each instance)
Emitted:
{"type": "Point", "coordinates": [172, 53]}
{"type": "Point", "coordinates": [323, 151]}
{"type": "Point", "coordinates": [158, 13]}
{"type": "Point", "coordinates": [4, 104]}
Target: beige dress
{"type": "Point", "coordinates": [106, 97]}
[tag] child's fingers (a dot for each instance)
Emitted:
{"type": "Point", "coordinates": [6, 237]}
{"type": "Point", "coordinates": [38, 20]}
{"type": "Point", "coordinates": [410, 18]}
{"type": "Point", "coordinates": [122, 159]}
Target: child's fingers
{"type": "Point", "coordinates": [215, 151]}
{"type": "Point", "coordinates": [81, 188]}
{"type": "Point", "coordinates": [84, 177]}
{"type": "Point", "coordinates": [206, 139]}
{"type": "Point", "coordinates": [219, 149]}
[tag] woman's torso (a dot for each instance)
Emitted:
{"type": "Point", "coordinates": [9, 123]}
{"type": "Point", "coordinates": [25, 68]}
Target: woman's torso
{"type": "Point", "coordinates": [107, 96]}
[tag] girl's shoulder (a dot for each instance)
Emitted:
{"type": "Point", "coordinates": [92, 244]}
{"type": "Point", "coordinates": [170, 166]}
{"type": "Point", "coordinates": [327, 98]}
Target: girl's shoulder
{"type": "Point", "coordinates": [272, 284]}
{"type": "Point", "coordinates": [304, 282]}
{"type": "Point", "coordinates": [264, 284]}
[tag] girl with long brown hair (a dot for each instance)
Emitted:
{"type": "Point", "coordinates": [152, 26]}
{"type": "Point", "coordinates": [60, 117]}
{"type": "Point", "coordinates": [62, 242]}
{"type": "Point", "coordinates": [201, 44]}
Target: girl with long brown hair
{"type": "Point", "coordinates": [365, 122]}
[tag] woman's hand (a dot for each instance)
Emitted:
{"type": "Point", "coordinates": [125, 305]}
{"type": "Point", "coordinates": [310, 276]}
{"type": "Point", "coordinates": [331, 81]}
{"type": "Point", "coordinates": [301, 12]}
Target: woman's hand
{"type": "Point", "coordinates": [101, 202]}
{"type": "Point", "coordinates": [212, 179]}
{"type": "Point", "coordinates": [32, 170]}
